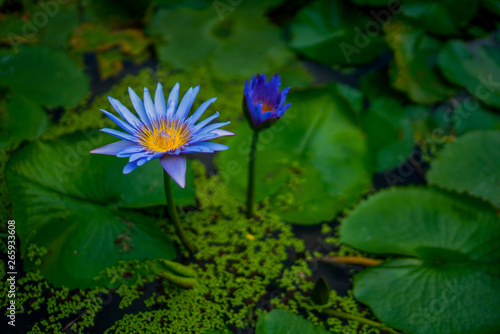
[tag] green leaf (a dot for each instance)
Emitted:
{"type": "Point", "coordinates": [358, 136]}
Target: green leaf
{"type": "Point", "coordinates": [443, 17]}
{"type": "Point", "coordinates": [470, 164]}
{"type": "Point", "coordinates": [284, 322]}
{"type": "Point", "coordinates": [474, 66]}
{"type": "Point", "coordinates": [332, 33]}
{"type": "Point", "coordinates": [22, 119]}
{"type": "Point", "coordinates": [389, 131]}
{"type": "Point", "coordinates": [79, 207]}
{"type": "Point", "coordinates": [467, 118]}
{"type": "Point", "coordinates": [315, 154]}
{"type": "Point", "coordinates": [237, 44]}
{"type": "Point", "coordinates": [413, 69]}
{"type": "Point", "coordinates": [491, 5]}
{"type": "Point", "coordinates": [450, 283]}
{"type": "Point", "coordinates": [320, 292]}
{"type": "Point", "coordinates": [45, 76]}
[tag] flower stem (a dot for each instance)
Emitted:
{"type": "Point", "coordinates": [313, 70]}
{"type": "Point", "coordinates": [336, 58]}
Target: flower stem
{"type": "Point", "coordinates": [362, 320]}
{"type": "Point", "coordinates": [251, 173]}
{"type": "Point", "coordinates": [172, 211]}
{"type": "Point", "coordinates": [353, 260]}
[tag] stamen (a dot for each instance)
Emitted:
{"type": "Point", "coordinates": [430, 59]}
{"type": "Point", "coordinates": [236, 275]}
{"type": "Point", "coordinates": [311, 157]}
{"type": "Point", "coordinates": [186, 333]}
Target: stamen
{"type": "Point", "coordinates": [164, 136]}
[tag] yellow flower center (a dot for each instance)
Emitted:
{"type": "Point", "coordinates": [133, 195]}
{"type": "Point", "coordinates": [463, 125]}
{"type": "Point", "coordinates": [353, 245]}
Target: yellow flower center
{"type": "Point", "coordinates": [164, 136]}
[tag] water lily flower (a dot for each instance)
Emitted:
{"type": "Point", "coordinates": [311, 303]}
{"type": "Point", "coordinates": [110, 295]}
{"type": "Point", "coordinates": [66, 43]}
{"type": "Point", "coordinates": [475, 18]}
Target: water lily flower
{"type": "Point", "coordinates": [162, 131]}
{"type": "Point", "coordinates": [264, 104]}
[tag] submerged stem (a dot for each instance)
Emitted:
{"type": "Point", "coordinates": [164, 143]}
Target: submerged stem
{"type": "Point", "coordinates": [172, 211]}
{"type": "Point", "coordinates": [251, 173]}
{"type": "Point", "coordinates": [362, 320]}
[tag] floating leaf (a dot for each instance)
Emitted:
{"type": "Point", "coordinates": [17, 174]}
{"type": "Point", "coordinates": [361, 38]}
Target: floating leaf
{"type": "Point", "coordinates": [470, 164]}
{"type": "Point", "coordinates": [46, 76]}
{"type": "Point", "coordinates": [491, 5]}
{"type": "Point", "coordinates": [450, 282]}
{"type": "Point", "coordinates": [219, 40]}
{"type": "Point", "coordinates": [443, 17]}
{"type": "Point", "coordinates": [316, 154]}
{"type": "Point", "coordinates": [474, 66]}
{"type": "Point", "coordinates": [413, 69]}
{"type": "Point", "coordinates": [468, 117]}
{"type": "Point", "coordinates": [333, 33]}
{"type": "Point", "coordinates": [79, 207]}
{"type": "Point", "coordinates": [284, 322]}
{"type": "Point", "coordinates": [390, 133]}
{"type": "Point", "coordinates": [320, 292]}
{"type": "Point", "coordinates": [22, 119]}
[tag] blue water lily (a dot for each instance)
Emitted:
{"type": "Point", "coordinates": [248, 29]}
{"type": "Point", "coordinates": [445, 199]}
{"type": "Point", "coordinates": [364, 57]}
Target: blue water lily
{"type": "Point", "coordinates": [264, 103]}
{"type": "Point", "coordinates": [163, 131]}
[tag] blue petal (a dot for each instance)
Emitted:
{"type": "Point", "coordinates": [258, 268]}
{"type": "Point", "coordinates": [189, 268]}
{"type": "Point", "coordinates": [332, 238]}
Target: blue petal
{"type": "Point", "coordinates": [130, 167]}
{"type": "Point", "coordinates": [139, 107]}
{"type": "Point", "coordinates": [175, 166]}
{"type": "Point", "coordinates": [120, 123]}
{"type": "Point", "coordinates": [199, 112]}
{"type": "Point", "coordinates": [125, 113]}
{"type": "Point", "coordinates": [197, 149]}
{"type": "Point", "coordinates": [160, 105]}
{"type": "Point", "coordinates": [137, 156]}
{"type": "Point", "coordinates": [207, 120]}
{"type": "Point", "coordinates": [113, 148]}
{"type": "Point", "coordinates": [221, 133]}
{"type": "Point", "coordinates": [211, 127]}
{"type": "Point", "coordinates": [128, 151]}
{"type": "Point", "coordinates": [119, 134]}
{"type": "Point", "coordinates": [142, 161]}
{"type": "Point", "coordinates": [212, 146]}
{"type": "Point", "coordinates": [202, 137]}
{"type": "Point", "coordinates": [183, 110]}
{"type": "Point", "coordinates": [173, 98]}
{"type": "Point", "coordinates": [155, 156]}
{"type": "Point", "coordinates": [149, 106]}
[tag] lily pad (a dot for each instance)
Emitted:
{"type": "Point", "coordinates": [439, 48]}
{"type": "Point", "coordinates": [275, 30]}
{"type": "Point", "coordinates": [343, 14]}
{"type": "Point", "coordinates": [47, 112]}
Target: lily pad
{"type": "Point", "coordinates": [491, 5]}
{"type": "Point", "coordinates": [47, 76]}
{"type": "Point", "coordinates": [414, 67]}
{"type": "Point", "coordinates": [331, 32]}
{"type": "Point", "coordinates": [474, 66]}
{"type": "Point", "coordinates": [470, 164]}
{"type": "Point", "coordinates": [390, 132]}
{"type": "Point", "coordinates": [316, 153]}
{"type": "Point", "coordinates": [443, 17]}
{"type": "Point", "coordinates": [284, 322]}
{"type": "Point", "coordinates": [449, 281]}
{"type": "Point", "coordinates": [219, 40]}
{"type": "Point", "coordinates": [474, 117]}
{"type": "Point", "coordinates": [22, 119]}
{"type": "Point", "coordinates": [79, 207]}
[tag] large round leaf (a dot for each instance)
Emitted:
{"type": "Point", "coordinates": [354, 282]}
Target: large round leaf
{"type": "Point", "coordinates": [284, 322]}
{"type": "Point", "coordinates": [236, 43]}
{"type": "Point", "coordinates": [470, 164]}
{"type": "Point", "coordinates": [21, 119]}
{"type": "Point", "coordinates": [413, 69]}
{"type": "Point", "coordinates": [390, 132]}
{"type": "Point", "coordinates": [442, 17]}
{"type": "Point", "coordinates": [333, 33]}
{"type": "Point", "coordinates": [474, 66]}
{"type": "Point", "coordinates": [318, 142]}
{"type": "Point", "coordinates": [78, 206]}
{"type": "Point", "coordinates": [451, 283]}
{"type": "Point", "coordinates": [46, 76]}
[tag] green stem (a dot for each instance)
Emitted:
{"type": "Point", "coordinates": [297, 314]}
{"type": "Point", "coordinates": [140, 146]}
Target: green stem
{"type": "Point", "coordinates": [251, 173]}
{"type": "Point", "coordinates": [172, 211]}
{"type": "Point", "coordinates": [362, 320]}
